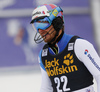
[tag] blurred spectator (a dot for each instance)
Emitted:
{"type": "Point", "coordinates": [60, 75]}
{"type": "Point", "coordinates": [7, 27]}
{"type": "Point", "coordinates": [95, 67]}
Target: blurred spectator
{"type": "Point", "coordinates": [22, 38]}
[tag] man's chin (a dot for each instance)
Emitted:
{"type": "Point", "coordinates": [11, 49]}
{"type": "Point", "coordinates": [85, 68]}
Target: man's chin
{"type": "Point", "coordinates": [47, 40]}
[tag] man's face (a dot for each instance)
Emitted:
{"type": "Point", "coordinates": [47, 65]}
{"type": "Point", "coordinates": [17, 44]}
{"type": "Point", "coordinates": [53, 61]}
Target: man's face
{"type": "Point", "coordinates": [48, 34]}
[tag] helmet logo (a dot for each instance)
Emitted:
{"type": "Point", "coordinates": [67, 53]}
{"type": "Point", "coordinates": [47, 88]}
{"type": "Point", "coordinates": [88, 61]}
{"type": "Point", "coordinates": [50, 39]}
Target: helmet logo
{"type": "Point", "coordinates": [36, 13]}
{"type": "Point", "coordinates": [55, 12]}
{"type": "Point", "coordinates": [43, 12]}
{"type": "Point", "coordinates": [40, 11]}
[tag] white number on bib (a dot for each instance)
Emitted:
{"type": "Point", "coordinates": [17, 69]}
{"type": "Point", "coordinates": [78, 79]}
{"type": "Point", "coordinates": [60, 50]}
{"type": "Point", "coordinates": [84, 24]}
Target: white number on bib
{"type": "Point", "coordinates": [62, 79]}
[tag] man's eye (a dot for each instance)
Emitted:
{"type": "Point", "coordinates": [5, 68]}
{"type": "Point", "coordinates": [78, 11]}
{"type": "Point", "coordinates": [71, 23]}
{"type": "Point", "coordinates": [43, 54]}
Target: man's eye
{"type": "Point", "coordinates": [45, 22]}
{"type": "Point", "coordinates": [39, 21]}
{"type": "Point", "coordinates": [42, 21]}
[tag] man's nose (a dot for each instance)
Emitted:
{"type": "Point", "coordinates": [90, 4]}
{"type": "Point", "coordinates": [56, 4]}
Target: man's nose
{"type": "Point", "coordinates": [40, 30]}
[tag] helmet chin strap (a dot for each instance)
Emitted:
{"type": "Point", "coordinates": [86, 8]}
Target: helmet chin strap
{"type": "Point", "coordinates": [53, 42]}
{"type": "Point", "coordinates": [54, 38]}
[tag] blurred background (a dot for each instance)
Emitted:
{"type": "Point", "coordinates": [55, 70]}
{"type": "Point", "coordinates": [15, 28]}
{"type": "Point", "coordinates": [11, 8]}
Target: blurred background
{"type": "Point", "coordinates": [19, 68]}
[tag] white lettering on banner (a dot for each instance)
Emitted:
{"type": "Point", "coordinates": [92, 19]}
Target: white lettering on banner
{"type": "Point", "coordinates": [40, 2]}
{"type": "Point", "coordinates": [6, 3]}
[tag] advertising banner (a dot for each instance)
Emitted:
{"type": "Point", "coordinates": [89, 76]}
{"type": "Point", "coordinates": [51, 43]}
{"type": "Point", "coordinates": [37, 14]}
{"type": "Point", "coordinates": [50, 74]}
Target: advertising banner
{"type": "Point", "coordinates": [17, 46]}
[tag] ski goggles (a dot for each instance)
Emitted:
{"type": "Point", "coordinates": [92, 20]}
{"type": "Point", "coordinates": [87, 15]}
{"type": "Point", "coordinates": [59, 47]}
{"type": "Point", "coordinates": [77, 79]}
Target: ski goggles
{"type": "Point", "coordinates": [45, 22]}
{"type": "Point", "coordinates": [41, 24]}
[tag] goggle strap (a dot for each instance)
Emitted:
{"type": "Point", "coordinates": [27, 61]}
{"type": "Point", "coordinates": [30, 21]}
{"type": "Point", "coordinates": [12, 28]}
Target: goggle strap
{"type": "Point", "coordinates": [55, 13]}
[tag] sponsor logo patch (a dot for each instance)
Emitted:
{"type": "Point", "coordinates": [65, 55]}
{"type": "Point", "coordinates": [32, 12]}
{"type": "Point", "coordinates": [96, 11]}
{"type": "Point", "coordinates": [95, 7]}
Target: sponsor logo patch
{"type": "Point", "coordinates": [86, 52]}
{"type": "Point", "coordinates": [44, 52]}
{"type": "Point", "coordinates": [70, 46]}
{"type": "Point", "coordinates": [55, 12]}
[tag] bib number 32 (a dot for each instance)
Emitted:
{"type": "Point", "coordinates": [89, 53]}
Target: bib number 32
{"type": "Point", "coordinates": [58, 82]}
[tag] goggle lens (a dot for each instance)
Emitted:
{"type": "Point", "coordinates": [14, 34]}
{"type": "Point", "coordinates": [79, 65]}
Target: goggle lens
{"type": "Point", "coordinates": [41, 24]}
